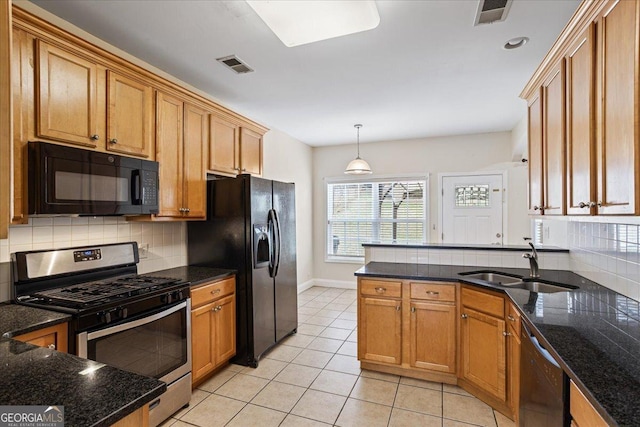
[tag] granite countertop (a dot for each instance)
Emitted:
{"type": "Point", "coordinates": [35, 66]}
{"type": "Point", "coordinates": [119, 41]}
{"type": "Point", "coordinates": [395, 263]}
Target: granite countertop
{"type": "Point", "coordinates": [34, 375]}
{"type": "Point", "coordinates": [593, 331]}
{"type": "Point", "coordinates": [466, 246]}
{"type": "Point", "coordinates": [19, 319]}
{"type": "Point", "coordinates": [195, 275]}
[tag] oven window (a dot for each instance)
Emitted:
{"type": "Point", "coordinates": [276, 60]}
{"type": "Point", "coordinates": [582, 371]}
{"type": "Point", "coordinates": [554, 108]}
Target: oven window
{"type": "Point", "coordinates": [96, 188]}
{"type": "Point", "coordinates": [153, 350]}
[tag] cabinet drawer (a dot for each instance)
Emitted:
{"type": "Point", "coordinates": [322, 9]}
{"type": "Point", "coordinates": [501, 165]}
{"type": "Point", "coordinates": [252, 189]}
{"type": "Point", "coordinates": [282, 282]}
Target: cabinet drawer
{"type": "Point", "coordinates": [212, 291]}
{"type": "Point", "coordinates": [484, 302]}
{"type": "Point", "coordinates": [433, 292]}
{"type": "Point", "coordinates": [513, 318]}
{"type": "Point", "coordinates": [582, 412]}
{"type": "Point", "coordinates": [380, 288]}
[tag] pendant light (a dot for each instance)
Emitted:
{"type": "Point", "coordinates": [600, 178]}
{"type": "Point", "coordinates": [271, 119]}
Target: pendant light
{"type": "Point", "coordinates": [358, 166]}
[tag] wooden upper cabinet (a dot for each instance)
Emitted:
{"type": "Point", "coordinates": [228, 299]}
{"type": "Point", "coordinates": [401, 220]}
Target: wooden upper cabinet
{"type": "Point", "coordinates": [553, 151]}
{"type": "Point", "coordinates": [129, 116]}
{"type": "Point", "coordinates": [224, 154]}
{"type": "Point", "coordinates": [250, 152]}
{"type": "Point", "coordinates": [617, 85]}
{"type": "Point", "coordinates": [196, 140]}
{"type": "Point", "coordinates": [535, 155]}
{"type": "Point", "coordinates": [169, 127]}
{"type": "Point", "coordinates": [66, 96]}
{"type": "Point", "coordinates": [580, 63]}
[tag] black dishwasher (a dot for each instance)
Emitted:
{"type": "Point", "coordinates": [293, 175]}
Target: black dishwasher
{"type": "Point", "coordinates": [543, 386]}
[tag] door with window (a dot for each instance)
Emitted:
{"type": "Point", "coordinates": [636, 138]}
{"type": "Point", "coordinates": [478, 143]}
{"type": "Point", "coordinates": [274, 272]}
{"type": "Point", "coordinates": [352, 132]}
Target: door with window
{"type": "Point", "coordinates": [472, 209]}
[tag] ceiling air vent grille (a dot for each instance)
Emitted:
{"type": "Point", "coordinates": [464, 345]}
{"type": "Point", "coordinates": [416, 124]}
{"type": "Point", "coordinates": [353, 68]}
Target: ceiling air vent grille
{"type": "Point", "coordinates": [490, 11]}
{"type": "Point", "coordinates": [234, 63]}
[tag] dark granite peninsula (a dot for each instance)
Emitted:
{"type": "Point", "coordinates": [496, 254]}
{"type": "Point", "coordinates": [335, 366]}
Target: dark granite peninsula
{"type": "Point", "coordinates": [195, 275]}
{"type": "Point", "coordinates": [93, 394]}
{"type": "Point", "coordinates": [19, 319]}
{"type": "Point", "coordinates": [593, 331]}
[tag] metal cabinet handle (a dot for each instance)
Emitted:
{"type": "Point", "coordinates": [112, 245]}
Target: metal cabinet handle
{"type": "Point", "coordinates": [599, 204]}
{"type": "Point", "coordinates": [381, 290]}
{"type": "Point", "coordinates": [52, 346]}
{"type": "Point", "coordinates": [433, 293]}
{"type": "Point", "coordinates": [510, 317]}
{"type": "Point", "coordinates": [506, 334]}
{"type": "Point", "coordinates": [182, 210]}
{"type": "Point", "coordinates": [217, 308]}
{"type": "Point", "coordinates": [95, 137]}
{"type": "Point", "coordinates": [398, 308]}
{"type": "Point", "coordinates": [215, 291]}
{"type": "Point", "coordinates": [537, 208]}
{"type": "Point", "coordinates": [113, 141]}
{"type": "Point", "coordinates": [464, 316]}
{"type": "Point", "coordinates": [587, 204]}
{"type": "Point", "coordinates": [236, 169]}
{"type": "Point", "coordinates": [413, 309]}
{"type": "Point", "coordinates": [244, 169]}
{"type": "Point", "coordinates": [187, 210]}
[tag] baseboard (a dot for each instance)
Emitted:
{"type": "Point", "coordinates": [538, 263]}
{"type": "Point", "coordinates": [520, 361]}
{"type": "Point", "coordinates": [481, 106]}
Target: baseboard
{"type": "Point", "coordinates": [306, 285]}
{"type": "Point", "coordinates": [342, 284]}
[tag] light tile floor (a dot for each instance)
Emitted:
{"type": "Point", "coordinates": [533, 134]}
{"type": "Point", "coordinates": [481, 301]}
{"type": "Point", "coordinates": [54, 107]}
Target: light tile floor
{"type": "Point", "coordinates": [314, 379]}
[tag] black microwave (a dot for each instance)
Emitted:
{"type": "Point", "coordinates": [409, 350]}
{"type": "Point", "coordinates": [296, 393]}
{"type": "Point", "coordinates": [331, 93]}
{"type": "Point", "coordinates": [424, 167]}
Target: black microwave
{"type": "Point", "coordinates": [73, 181]}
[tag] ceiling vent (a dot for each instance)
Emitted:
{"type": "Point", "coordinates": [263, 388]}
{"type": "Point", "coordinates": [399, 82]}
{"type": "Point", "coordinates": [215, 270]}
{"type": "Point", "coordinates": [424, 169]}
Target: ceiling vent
{"type": "Point", "coordinates": [234, 63]}
{"type": "Point", "coordinates": [490, 11]}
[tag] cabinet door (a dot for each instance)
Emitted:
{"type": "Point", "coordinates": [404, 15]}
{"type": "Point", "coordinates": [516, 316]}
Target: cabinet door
{"type": "Point", "coordinates": [535, 156]}
{"type": "Point", "coordinates": [202, 341]}
{"type": "Point", "coordinates": [66, 96]}
{"type": "Point", "coordinates": [169, 154]}
{"type": "Point", "coordinates": [380, 330]}
{"type": "Point", "coordinates": [196, 140]}
{"type": "Point", "coordinates": [250, 152]}
{"type": "Point", "coordinates": [580, 125]}
{"type": "Point", "coordinates": [617, 115]}
{"type": "Point", "coordinates": [224, 156]}
{"type": "Point", "coordinates": [225, 329]}
{"type": "Point", "coordinates": [553, 151]}
{"type": "Point", "coordinates": [483, 352]}
{"type": "Point", "coordinates": [130, 116]}
{"type": "Point", "coordinates": [514, 373]}
{"type": "Point", "coordinates": [54, 337]}
{"type": "Point", "coordinates": [433, 336]}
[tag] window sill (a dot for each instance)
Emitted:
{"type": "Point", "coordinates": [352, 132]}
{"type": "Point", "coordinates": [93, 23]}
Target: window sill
{"type": "Point", "coordinates": [344, 260]}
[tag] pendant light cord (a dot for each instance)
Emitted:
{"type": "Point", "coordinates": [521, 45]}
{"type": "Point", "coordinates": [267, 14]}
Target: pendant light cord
{"type": "Point", "coordinates": [358, 139]}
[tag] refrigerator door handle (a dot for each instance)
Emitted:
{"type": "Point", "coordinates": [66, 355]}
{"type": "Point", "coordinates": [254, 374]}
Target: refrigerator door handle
{"type": "Point", "coordinates": [273, 247]}
{"type": "Point", "coordinates": [278, 244]}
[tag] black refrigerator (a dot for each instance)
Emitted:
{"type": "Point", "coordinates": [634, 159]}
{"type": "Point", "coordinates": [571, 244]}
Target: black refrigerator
{"type": "Point", "coordinates": [251, 228]}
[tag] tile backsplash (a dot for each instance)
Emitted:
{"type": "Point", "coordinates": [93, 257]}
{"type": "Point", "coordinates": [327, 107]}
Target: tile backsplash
{"type": "Point", "coordinates": [166, 242]}
{"type": "Point", "coordinates": [607, 253]}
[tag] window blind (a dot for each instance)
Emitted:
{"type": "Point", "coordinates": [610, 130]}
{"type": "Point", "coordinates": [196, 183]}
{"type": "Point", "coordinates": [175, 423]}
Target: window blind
{"type": "Point", "coordinates": [386, 211]}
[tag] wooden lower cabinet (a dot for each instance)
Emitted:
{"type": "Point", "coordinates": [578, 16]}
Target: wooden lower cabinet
{"type": "Point", "coordinates": [433, 333]}
{"type": "Point", "coordinates": [380, 330]}
{"type": "Point", "coordinates": [213, 327]}
{"type": "Point", "coordinates": [54, 337]}
{"type": "Point", "coordinates": [583, 414]}
{"type": "Point", "coordinates": [408, 328]}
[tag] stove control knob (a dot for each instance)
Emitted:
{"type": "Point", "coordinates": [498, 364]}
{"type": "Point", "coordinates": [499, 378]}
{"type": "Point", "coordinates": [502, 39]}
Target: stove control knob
{"type": "Point", "coordinates": [166, 299]}
{"type": "Point", "coordinates": [105, 317]}
{"type": "Point", "coordinates": [177, 295]}
{"type": "Point", "coordinates": [123, 312]}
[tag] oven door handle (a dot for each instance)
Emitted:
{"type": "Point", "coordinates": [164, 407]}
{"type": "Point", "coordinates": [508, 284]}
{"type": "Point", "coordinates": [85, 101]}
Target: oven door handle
{"type": "Point", "coordinates": [85, 337]}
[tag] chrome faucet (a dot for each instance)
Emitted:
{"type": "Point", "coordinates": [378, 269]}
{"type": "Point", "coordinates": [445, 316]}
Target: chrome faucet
{"type": "Point", "coordinates": [533, 260]}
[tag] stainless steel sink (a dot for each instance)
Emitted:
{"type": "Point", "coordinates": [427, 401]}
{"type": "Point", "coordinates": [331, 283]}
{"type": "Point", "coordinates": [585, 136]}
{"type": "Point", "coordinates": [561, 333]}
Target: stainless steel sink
{"type": "Point", "coordinates": [492, 277]}
{"type": "Point", "coordinates": [543, 286]}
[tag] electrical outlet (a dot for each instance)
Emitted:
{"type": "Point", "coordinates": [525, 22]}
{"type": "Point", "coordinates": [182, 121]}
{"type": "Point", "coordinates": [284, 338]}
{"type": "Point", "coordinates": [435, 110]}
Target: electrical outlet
{"type": "Point", "coordinates": [143, 251]}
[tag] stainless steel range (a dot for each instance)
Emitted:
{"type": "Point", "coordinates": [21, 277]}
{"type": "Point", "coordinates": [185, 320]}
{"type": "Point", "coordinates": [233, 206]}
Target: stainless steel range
{"type": "Point", "coordinates": [138, 323]}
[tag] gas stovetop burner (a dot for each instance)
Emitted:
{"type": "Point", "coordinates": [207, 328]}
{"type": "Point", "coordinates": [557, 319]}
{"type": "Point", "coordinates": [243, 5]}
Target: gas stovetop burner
{"type": "Point", "coordinates": [92, 292]}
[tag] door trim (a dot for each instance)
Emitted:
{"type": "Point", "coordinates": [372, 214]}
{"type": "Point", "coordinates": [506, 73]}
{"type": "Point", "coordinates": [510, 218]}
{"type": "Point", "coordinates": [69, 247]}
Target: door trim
{"type": "Point", "coordinates": [505, 195]}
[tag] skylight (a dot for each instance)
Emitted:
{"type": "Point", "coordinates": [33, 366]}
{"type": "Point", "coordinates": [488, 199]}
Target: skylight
{"type": "Point", "coordinates": [301, 22]}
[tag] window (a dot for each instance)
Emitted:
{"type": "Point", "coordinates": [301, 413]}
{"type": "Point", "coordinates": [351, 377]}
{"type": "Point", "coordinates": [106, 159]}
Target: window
{"type": "Point", "coordinates": [381, 211]}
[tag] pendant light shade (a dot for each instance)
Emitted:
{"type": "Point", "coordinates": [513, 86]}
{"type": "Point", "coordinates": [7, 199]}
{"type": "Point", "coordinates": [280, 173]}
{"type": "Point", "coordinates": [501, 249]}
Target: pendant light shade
{"type": "Point", "coordinates": [358, 166]}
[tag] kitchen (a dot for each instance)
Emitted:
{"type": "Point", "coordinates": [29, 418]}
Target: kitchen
{"type": "Point", "coordinates": [163, 244]}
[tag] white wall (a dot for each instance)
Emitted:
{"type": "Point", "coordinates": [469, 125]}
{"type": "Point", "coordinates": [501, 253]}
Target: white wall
{"type": "Point", "coordinates": [463, 153]}
{"type": "Point", "coordinates": [287, 159]}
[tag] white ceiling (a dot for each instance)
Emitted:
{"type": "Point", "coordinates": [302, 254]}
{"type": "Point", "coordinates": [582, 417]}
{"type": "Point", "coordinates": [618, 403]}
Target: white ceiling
{"type": "Point", "coordinates": [424, 71]}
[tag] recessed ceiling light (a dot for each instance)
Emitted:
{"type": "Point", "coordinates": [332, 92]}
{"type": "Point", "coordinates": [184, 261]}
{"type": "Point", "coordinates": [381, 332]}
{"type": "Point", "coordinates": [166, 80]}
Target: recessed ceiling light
{"type": "Point", "coordinates": [515, 43]}
{"type": "Point", "coordinates": [301, 22]}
